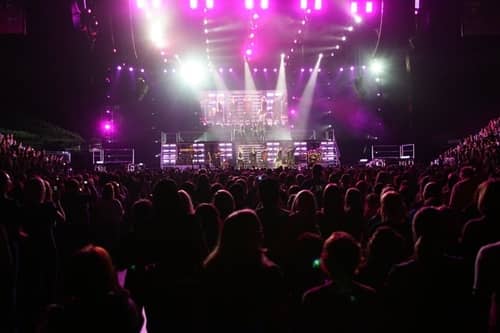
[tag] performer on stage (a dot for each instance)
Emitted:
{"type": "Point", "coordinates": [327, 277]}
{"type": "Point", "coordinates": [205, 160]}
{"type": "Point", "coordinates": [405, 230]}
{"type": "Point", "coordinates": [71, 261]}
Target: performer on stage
{"type": "Point", "coordinates": [241, 161]}
{"type": "Point", "coordinates": [263, 156]}
{"type": "Point", "coordinates": [253, 158]}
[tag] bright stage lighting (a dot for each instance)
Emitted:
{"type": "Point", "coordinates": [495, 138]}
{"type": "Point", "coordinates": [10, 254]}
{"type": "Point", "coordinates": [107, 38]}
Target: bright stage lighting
{"type": "Point", "coordinates": [141, 4]}
{"type": "Point", "coordinates": [369, 7]}
{"type": "Point", "coordinates": [157, 34]}
{"type": "Point", "coordinates": [193, 4]}
{"type": "Point", "coordinates": [321, 55]}
{"type": "Point", "coordinates": [119, 67]}
{"type": "Point", "coordinates": [209, 4]}
{"type": "Point", "coordinates": [249, 4]}
{"type": "Point", "coordinates": [354, 7]}
{"type": "Point", "coordinates": [377, 66]}
{"type": "Point", "coordinates": [248, 52]}
{"type": "Point", "coordinates": [318, 4]}
{"type": "Point", "coordinates": [358, 19]}
{"type": "Point", "coordinates": [193, 73]}
{"type": "Point", "coordinates": [264, 4]}
{"type": "Point", "coordinates": [303, 4]}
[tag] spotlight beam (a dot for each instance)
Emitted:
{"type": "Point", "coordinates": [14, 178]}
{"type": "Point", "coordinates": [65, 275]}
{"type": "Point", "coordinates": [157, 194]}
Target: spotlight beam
{"type": "Point", "coordinates": [249, 82]}
{"type": "Point", "coordinates": [306, 100]}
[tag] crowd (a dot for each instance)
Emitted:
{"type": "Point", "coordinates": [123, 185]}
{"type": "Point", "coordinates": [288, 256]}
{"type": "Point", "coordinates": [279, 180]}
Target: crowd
{"type": "Point", "coordinates": [395, 249]}
{"type": "Point", "coordinates": [482, 149]}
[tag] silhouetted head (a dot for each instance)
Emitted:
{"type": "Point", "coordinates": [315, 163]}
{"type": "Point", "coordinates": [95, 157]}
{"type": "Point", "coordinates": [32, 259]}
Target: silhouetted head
{"type": "Point", "coordinates": [466, 172]}
{"type": "Point", "coordinates": [34, 191]}
{"type": "Point", "coordinates": [429, 232]}
{"type": "Point", "coordinates": [392, 208]}
{"type": "Point", "coordinates": [269, 192]}
{"type": "Point", "coordinates": [186, 204]}
{"type": "Point", "coordinates": [208, 217]}
{"type": "Point", "coordinates": [165, 198]}
{"type": "Point", "coordinates": [340, 256]}
{"type": "Point", "coordinates": [353, 200]}
{"type": "Point", "coordinates": [304, 203]}
{"type": "Point", "coordinates": [332, 199]}
{"type": "Point", "coordinates": [386, 246]}
{"type": "Point", "coordinates": [489, 198]}
{"type": "Point", "coordinates": [108, 192]}
{"type": "Point", "coordinates": [240, 238]}
{"type": "Point", "coordinates": [224, 202]}
{"type": "Point", "coordinates": [91, 273]}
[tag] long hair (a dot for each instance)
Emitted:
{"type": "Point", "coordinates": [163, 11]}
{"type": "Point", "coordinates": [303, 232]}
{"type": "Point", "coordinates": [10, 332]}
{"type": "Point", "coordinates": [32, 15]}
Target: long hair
{"type": "Point", "coordinates": [92, 273]}
{"type": "Point", "coordinates": [305, 202]}
{"type": "Point", "coordinates": [239, 240]}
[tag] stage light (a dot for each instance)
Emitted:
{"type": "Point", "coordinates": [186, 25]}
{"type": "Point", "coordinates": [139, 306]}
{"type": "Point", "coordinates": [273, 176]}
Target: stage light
{"type": "Point", "coordinates": [192, 73]}
{"type": "Point", "coordinates": [377, 66]}
{"type": "Point", "coordinates": [193, 4]}
{"type": "Point", "coordinates": [341, 69]}
{"type": "Point", "coordinates": [337, 47]}
{"type": "Point", "coordinates": [249, 4]}
{"type": "Point", "coordinates": [358, 19]}
{"type": "Point", "coordinates": [205, 21]}
{"type": "Point", "coordinates": [230, 70]}
{"type": "Point", "coordinates": [265, 70]}
{"type": "Point", "coordinates": [249, 52]}
{"type": "Point", "coordinates": [299, 32]}
{"type": "Point", "coordinates": [369, 7]}
{"type": "Point", "coordinates": [282, 56]}
{"type": "Point", "coordinates": [142, 70]}
{"type": "Point", "coordinates": [131, 69]}
{"type": "Point", "coordinates": [252, 35]}
{"type": "Point", "coordinates": [264, 4]}
{"type": "Point", "coordinates": [344, 38]}
{"type": "Point", "coordinates": [221, 70]}
{"type": "Point", "coordinates": [321, 55]}
{"type": "Point", "coordinates": [255, 70]}
{"type": "Point", "coordinates": [351, 68]}
{"type": "Point", "coordinates": [302, 70]}
{"type": "Point", "coordinates": [310, 70]}
{"type": "Point", "coordinates": [308, 11]}
{"type": "Point", "coordinates": [363, 67]}
{"type": "Point", "coordinates": [275, 70]}
{"type": "Point", "coordinates": [351, 28]}
{"type": "Point", "coordinates": [303, 4]}
{"type": "Point", "coordinates": [377, 80]}
{"type": "Point", "coordinates": [107, 127]}
{"type": "Point", "coordinates": [354, 7]}
{"type": "Point", "coordinates": [206, 31]}
{"type": "Point", "coordinates": [141, 4]}
{"type": "Point", "coordinates": [319, 69]}
{"type": "Point", "coordinates": [209, 4]}
{"type": "Point", "coordinates": [291, 50]}
{"type": "Point", "coordinates": [156, 3]}
{"type": "Point", "coordinates": [119, 67]}
{"type": "Point", "coordinates": [156, 34]}
{"type": "Point", "coordinates": [165, 70]}
{"type": "Point", "coordinates": [318, 4]}
{"type": "Point", "coordinates": [255, 16]}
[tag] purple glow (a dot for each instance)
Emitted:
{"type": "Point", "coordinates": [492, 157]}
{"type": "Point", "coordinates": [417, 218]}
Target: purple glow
{"type": "Point", "coordinates": [303, 4]}
{"type": "Point", "coordinates": [352, 68]}
{"type": "Point", "coordinates": [209, 4]}
{"type": "Point", "coordinates": [293, 112]}
{"type": "Point", "coordinates": [249, 52]}
{"type": "Point", "coordinates": [142, 70]}
{"type": "Point", "coordinates": [249, 4]}
{"type": "Point", "coordinates": [354, 7]}
{"type": "Point", "coordinates": [302, 70]}
{"type": "Point", "coordinates": [299, 32]}
{"type": "Point", "coordinates": [108, 111]}
{"type": "Point", "coordinates": [369, 7]}
{"type": "Point", "coordinates": [252, 35]}
{"type": "Point", "coordinates": [417, 4]}
{"type": "Point", "coordinates": [341, 69]}
{"type": "Point", "coordinates": [264, 4]}
{"type": "Point", "coordinates": [107, 127]}
{"type": "Point", "coordinates": [131, 69]}
{"type": "Point", "coordinates": [230, 70]}
{"type": "Point", "coordinates": [193, 4]}
{"type": "Point", "coordinates": [275, 70]}
{"type": "Point", "coordinates": [119, 67]}
{"type": "Point", "coordinates": [318, 4]}
{"type": "Point", "coordinates": [156, 3]}
{"type": "Point", "coordinates": [309, 11]}
{"type": "Point", "coordinates": [221, 70]}
{"type": "Point", "coordinates": [319, 69]}
{"type": "Point", "coordinates": [265, 70]}
{"type": "Point", "coordinates": [114, 50]}
{"type": "Point", "coordinates": [255, 16]}
{"type": "Point", "coordinates": [358, 19]}
{"type": "Point", "coordinates": [310, 70]}
{"type": "Point", "coordinates": [255, 70]}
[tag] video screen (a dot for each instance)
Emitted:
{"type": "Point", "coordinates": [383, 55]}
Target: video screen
{"type": "Point", "coordinates": [240, 107]}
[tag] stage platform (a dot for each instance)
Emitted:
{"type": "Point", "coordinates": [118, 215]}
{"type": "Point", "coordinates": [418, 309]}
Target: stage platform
{"type": "Point", "coordinates": [247, 154]}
